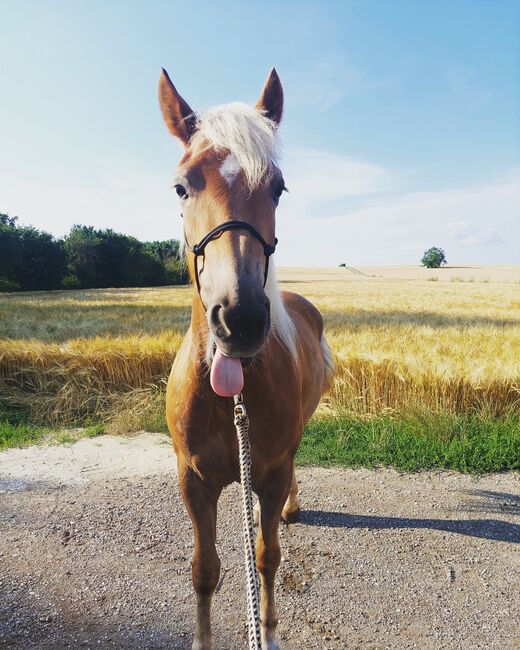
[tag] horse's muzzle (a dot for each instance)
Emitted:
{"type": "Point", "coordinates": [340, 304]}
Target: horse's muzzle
{"type": "Point", "coordinates": [240, 328]}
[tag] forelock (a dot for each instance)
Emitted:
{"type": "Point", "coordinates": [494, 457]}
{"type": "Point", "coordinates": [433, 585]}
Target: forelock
{"type": "Point", "coordinates": [245, 133]}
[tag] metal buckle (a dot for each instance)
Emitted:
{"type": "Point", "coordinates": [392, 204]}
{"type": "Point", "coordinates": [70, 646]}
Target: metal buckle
{"type": "Point", "coordinates": [240, 407]}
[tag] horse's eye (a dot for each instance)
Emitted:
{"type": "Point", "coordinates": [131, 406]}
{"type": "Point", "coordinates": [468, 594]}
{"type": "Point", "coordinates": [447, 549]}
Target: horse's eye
{"type": "Point", "coordinates": [181, 191]}
{"type": "Point", "coordinates": [278, 191]}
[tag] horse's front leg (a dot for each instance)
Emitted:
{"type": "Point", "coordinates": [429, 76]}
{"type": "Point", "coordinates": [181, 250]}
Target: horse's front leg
{"type": "Point", "coordinates": [201, 499]}
{"type": "Point", "coordinates": [272, 497]}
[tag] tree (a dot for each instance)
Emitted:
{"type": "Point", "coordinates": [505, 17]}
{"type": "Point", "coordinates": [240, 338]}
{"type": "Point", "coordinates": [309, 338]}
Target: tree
{"type": "Point", "coordinates": [43, 262]}
{"type": "Point", "coordinates": [6, 220]}
{"type": "Point", "coordinates": [86, 258]}
{"type": "Point", "coordinates": [164, 251]}
{"type": "Point", "coordinates": [104, 258]}
{"type": "Point", "coordinates": [169, 254]}
{"type": "Point", "coordinates": [10, 253]}
{"type": "Point", "coordinates": [82, 246]}
{"type": "Point", "coordinates": [29, 259]}
{"type": "Point", "coordinates": [176, 272]}
{"type": "Point", "coordinates": [433, 258]}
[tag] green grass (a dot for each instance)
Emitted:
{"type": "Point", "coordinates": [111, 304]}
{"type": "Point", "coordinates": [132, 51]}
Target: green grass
{"type": "Point", "coordinates": [474, 444]}
{"type": "Point", "coordinates": [421, 440]}
{"type": "Point", "coordinates": [22, 434]}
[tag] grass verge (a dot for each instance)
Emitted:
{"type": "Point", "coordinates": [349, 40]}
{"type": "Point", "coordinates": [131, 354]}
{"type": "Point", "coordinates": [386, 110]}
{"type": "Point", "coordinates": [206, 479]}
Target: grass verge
{"type": "Point", "coordinates": [22, 434]}
{"type": "Point", "coordinates": [474, 444]}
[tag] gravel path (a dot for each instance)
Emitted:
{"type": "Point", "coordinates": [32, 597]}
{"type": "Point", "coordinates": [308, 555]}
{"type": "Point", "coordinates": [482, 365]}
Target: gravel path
{"type": "Point", "coordinates": [95, 551]}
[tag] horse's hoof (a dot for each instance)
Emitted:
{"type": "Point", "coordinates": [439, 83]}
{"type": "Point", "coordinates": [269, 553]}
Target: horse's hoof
{"type": "Point", "coordinates": [197, 645]}
{"type": "Point", "coordinates": [291, 517]}
{"type": "Point", "coordinates": [203, 644]}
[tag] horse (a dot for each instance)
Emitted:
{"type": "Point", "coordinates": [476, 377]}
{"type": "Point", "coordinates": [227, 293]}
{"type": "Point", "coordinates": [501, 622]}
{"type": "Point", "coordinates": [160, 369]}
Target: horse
{"type": "Point", "coordinates": [246, 335]}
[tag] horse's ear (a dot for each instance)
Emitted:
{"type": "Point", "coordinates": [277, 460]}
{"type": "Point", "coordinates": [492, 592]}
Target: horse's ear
{"type": "Point", "coordinates": [271, 99]}
{"type": "Point", "coordinates": [179, 117]}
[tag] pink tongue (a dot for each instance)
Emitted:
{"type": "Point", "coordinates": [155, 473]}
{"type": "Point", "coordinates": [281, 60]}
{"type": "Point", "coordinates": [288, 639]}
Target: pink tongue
{"type": "Point", "coordinates": [227, 378]}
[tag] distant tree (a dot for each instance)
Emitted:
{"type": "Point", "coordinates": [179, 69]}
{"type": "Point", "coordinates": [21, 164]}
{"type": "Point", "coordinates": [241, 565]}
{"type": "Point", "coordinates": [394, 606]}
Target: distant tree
{"type": "Point", "coordinates": [86, 258]}
{"type": "Point", "coordinates": [43, 262]}
{"type": "Point", "coordinates": [163, 250]}
{"type": "Point", "coordinates": [169, 253]}
{"type": "Point", "coordinates": [342, 265]}
{"type": "Point", "coordinates": [148, 271]}
{"type": "Point", "coordinates": [10, 251]}
{"type": "Point", "coordinates": [433, 258]}
{"type": "Point", "coordinates": [29, 258]}
{"type": "Point", "coordinates": [104, 258]}
{"type": "Point", "coordinates": [6, 220]}
{"type": "Point", "coordinates": [177, 272]}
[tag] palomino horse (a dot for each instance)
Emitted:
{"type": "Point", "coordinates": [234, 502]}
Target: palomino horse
{"type": "Point", "coordinates": [244, 334]}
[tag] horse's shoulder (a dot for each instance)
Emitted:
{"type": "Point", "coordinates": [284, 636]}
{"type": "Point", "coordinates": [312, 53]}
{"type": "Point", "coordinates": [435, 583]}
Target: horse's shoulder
{"type": "Point", "coordinates": [301, 308]}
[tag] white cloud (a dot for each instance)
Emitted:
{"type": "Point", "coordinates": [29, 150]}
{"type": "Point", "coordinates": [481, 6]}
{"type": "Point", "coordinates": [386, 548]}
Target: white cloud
{"type": "Point", "coordinates": [129, 201]}
{"type": "Point", "coordinates": [469, 235]}
{"type": "Point", "coordinates": [478, 224]}
{"type": "Point", "coordinates": [316, 177]}
{"type": "Point", "coordinates": [338, 209]}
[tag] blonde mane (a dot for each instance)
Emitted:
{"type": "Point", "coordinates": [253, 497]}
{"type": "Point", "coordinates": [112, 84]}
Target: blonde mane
{"type": "Point", "coordinates": [281, 323]}
{"type": "Point", "coordinates": [245, 133]}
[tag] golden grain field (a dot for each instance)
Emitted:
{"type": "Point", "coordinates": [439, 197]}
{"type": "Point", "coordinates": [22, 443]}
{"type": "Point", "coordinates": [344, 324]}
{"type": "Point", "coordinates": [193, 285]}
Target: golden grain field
{"type": "Point", "coordinates": [402, 337]}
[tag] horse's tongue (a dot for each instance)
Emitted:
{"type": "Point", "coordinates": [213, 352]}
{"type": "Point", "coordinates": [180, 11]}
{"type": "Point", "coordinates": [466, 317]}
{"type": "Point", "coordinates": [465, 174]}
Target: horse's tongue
{"type": "Point", "coordinates": [227, 378]}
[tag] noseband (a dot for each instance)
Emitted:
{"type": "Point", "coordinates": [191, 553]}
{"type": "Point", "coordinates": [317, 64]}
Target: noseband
{"type": "Point", "coordinates": [198, 249]}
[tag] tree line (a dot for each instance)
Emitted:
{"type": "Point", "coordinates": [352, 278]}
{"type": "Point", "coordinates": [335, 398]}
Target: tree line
{"type": "Point", "coordinates": [33, 260]}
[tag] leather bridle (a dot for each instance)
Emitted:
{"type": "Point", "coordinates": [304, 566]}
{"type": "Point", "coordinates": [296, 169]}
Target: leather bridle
{"type": "Point", "coordinates": [198, 249]}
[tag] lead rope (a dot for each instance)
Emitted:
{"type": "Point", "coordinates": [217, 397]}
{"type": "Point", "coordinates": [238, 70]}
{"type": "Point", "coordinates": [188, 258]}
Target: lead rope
{"type": "Point", "coordinates": [244, 457]}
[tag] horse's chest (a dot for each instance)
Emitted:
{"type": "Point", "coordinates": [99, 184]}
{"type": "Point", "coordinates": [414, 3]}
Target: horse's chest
{"type": "Point", "coordinates": [208, 443]}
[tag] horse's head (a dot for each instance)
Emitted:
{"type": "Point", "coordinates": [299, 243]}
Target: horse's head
{"type": "Point", "coordinates": [228, 174]}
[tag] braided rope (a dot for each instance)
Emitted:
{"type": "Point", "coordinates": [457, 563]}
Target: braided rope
{"type": "Point", "coordinates": [244, 456]}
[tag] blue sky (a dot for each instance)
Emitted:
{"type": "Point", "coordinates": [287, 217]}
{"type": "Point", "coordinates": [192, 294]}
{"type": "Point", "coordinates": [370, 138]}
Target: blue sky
{"type": "Point", "coordinates": [401, 129]}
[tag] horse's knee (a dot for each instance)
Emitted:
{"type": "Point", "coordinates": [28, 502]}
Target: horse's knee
{"type": "Point", "coordinates": [205, 572]}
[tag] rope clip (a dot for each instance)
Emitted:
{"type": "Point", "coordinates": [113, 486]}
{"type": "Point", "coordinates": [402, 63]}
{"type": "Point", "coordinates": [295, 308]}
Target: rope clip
{"type": "Point", "coordinates": [240, 409]}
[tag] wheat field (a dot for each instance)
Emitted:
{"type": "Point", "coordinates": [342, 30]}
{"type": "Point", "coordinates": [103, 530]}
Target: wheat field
{"type": "Point", "coordinates": [446, 340]}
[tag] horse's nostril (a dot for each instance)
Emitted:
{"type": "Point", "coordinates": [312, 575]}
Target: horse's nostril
{"type": "Point", "coordinates": [214, 315]}
{"type": "Point", "coordinates": [218, 321]}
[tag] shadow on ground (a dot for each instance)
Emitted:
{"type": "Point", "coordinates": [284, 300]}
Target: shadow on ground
{"type": "Point", "coordinates": [493, 529]}
{"type": "Point", "coordinates": [494, 502]}
{"type": "Point", "coordinates": [47, 629]}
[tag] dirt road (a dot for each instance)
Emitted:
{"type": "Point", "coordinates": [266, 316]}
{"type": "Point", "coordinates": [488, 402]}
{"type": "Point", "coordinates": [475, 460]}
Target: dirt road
{"type": "Point", "coordinates": [95, 552]}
